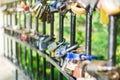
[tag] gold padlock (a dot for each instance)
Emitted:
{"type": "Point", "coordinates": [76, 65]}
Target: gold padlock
{"type": "Point", "coordinates": [77, 10]}
{"type": "Point", "coordinates": [104, 17]}
{"type": "Point", "coordinates": [52, 54]}
{"type": "Point", "coordinates": [111, 7]}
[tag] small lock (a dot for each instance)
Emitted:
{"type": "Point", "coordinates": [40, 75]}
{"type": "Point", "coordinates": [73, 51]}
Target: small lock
{"type": "Point", "coordinates": [52, 54]}
{"type": "Point", "coordinates": [43, 12]}
{"type": "Point", "coordinates": [42, 44]}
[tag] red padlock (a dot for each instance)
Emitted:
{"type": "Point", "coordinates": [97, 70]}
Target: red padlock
{"type": "Point", "coordinates": [23, 37]}
{"type": "Point", "coordinates": [26, 8]}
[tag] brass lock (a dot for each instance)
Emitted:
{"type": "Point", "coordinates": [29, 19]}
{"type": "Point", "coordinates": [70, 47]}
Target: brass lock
{"type": "Point", "coordinates": [111, 7]}
{"type": "Point", "coordinates": [77, 9]}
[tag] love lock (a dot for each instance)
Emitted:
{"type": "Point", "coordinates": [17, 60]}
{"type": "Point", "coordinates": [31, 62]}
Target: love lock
{"type": "Point", "coordinates": [53, 7]}
{"type": "Point", "coordinates": [63, 49]}
{"type": "Point", "coordinates": [111, 7]}
{"type": "Point", "coordinates": [42, 44]}
{"type": "Point", "coordinates": [44, 12]}
{"type": "Point", "coordinates": [53, 46]}
{"type": "Point", "coordinates": [77, 9]}
{"type": "Point", "coordinates": [83, 3]}
{"type": "Point", "coordinates": [70, 62]}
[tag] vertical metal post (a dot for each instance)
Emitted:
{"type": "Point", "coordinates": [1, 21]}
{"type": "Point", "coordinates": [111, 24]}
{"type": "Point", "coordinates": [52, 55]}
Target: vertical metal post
{"type": "Point", "coordinates": [44, 60]}
{"type": "Point", "coordinates": [44, 69]}
{"type": "Point", "coordinates": [31, 65]}
{"type": "Point", "coordinates": [20, 57]}
{"type": "Point", "coordinates": [44, 28]}
{"type": "Point", "coordinates": [52, 25]}
{"type": "Point", "coordinates": [112, 41]}
{"type": "Point", "coordinates": [73, 29]}
{"type": "Point", "coordinates": [17, 54]}
{"type": "Point", "coordinates": [25, 60]}
{"type": "Point", "coordinates": [61, 29]}
{"type": "Point", "coordinates": [11, 42]}
{"type": "Point", "coordinates": [51, 72]}
{"type": "Point", "coordinates": [37, 69]}
{"type": "Point", "coordinates": [16, 74]}
{"type": "Point", "coordinates": [16, 21]}
{"type": "Point", "coordinates": [52, 34]}
{"type": "Point", "coordinates": [88, 32]}
{"type": "Point", "coordinates": [25, 16]}
{"type": "Point", "coordinates": [61, 39]}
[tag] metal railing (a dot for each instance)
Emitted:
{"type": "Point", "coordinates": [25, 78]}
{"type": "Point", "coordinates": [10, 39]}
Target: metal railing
{"type": "Point", "coordinates": [35, 62]}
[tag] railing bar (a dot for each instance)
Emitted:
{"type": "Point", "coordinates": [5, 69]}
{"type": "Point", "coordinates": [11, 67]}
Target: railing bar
{"type": "Point", "coordinates": [44, 27]}
{"type": "Point", "coordinates": [25, 60]}
{"type": "Point", "coordinates": [52, 34]}
{"type": "Point", "coordinates": [44, 55]}
{"type": "Point", "coordinates": [17, 54]}
{"type": "Point", "coordinates": [37, 68]}
{"type": "Point", "coordinates": [88, 32]}
{"type": "Point", "coordinates": [73, 29]}
{"type": "Point", "coordinates": [52, 25]}
{"type": "Point", "coordinates": [61, 29]}
{"type": "Point", "coordinates": [20, 48]}
{"type": "Point", "coordinates": [112, 40]}
{"type": "Point", "coordinates": [44, 68]}
{"type": "Point", "coordinates": [31, 65]}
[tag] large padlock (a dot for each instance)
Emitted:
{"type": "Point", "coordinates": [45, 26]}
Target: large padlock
{"type": "Point", "coordinates": [54, 45]}
{"type": "Point", "coordinates": [63, 49]}
{"type": "Point", "coordinates": [83, 3]}
{"type": "Point", "coordinates": [77, 9]}
{"type": "Point", "coordinates": [111, 7]}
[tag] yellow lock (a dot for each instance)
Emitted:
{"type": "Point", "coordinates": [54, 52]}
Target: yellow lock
{"type": "Point", "coordinates": [52, 54]}
{"type": "Point", "coordinates": [77, 10]}
{"type": "Point", "coordinates": [104, 17]}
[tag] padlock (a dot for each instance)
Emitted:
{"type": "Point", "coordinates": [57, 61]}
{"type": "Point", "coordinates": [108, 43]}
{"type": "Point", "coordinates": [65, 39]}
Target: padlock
{"type": "Point", "coordinates": [36, 7]}
{"type": "Point", "coordinates": [83, 3]}
{"type": "Point", "coordinates": [111, 7]}
{"type": "Point", "coordinates": [76, 9]}
{"type": "Point", "coordinates": [104, 17]}
{"type": "Point", "coordinates": [38, 11]}
{"type": "Point", "coordinates": [3, 8]}
{"type": "Point", "coordinates": [26, 8]}
{"type": "Point", "coordinates": [52, 54]}
{"type": "Point", "coordinates": [43, 16]}
{"type": "Point", "coordinates": [54, 45]}
{"type": "Point", "coordinates": [53, 7]}
{"type": "Point", "coordinates": [23, 37]}
{"type": "Point", "coordinates": [63, 49]}
{"type": "Point", "coordinates": [42, 44]}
